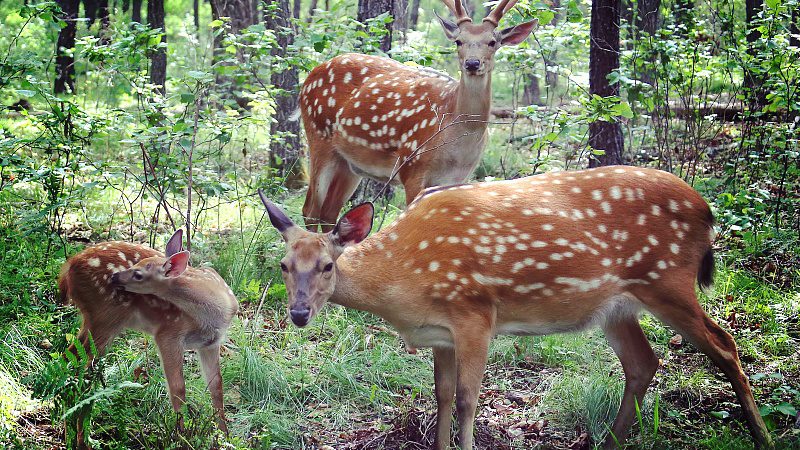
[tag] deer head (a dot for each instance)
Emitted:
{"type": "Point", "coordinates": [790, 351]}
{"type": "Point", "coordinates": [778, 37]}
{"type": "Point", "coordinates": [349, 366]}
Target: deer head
{"type": "Point", "coordinates": [309, 267]}
{"type": "Point", "coordinates": [149, 275]}
{"type": "Point", "coordinates": [477, 43]}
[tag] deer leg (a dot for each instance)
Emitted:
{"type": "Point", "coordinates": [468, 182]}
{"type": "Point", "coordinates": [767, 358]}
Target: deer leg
{"type": "Point", "coordinates": [471, 354]}
{"type": "Point", "coordinates": [331, 183]}
{"type": "Point", "coordinates": [444, 376]}
{"type": "Point", "coordinates": [209, 361]}
{"type": "Point", "coordinates": [341, 187]}
{"type": "Point", "coordinates": [171, 353]}
{"type": "Point", "coordinates": [683, 313]}
{"type": "Point", "coordinates": [639, 364]}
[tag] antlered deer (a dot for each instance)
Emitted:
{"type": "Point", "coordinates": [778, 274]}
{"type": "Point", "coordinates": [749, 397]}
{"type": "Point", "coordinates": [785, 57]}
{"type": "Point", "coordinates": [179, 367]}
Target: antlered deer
{"type": "Point", "coordinates": [118, 285]}
{"type": "Point", "coordinates": [545, 254]}
{"type": "Point", "coordinates": [372, 116]}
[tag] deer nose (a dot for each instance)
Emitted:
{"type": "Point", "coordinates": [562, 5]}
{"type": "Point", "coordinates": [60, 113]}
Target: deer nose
{"type": "Point", "coordinates": [300, 315]}
{"type": "Point", "coordinates": [472, 64]}
{"type": "Point", "coordinates": [115, 278]}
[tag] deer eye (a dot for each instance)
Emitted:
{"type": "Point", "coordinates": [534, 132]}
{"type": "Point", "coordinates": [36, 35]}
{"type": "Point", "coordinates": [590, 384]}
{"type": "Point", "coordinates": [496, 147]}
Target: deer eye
{"type": "Point", "coordinates": [458, 43]}
{"type": "Point", "coordinates": [137, 275]}
{"type": "Point", "coordinates": [284, 268]}
{"type": "Point", "coordinates": [328, 267]}
{"type": "Point", "coordinates": [492, 43]}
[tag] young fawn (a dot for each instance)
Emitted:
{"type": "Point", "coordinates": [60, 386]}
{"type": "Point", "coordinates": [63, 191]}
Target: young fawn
{"type": "Point", "coordinates": [550, 253]}
{"type": "Point", "coordinates": [368, 116]}
{"type": "Point", "coordinates": [118, 285]}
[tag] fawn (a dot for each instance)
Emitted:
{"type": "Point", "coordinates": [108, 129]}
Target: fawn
{"type": "Point", "coordinates": [118, 285]}
{"type": "Point", "coordinates": [545, 254]}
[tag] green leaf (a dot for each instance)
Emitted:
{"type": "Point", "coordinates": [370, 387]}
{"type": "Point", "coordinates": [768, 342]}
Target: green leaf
{"type": "Point", "coordinates": [216, 23]}
{"type": "Point", "coordinates": [721, 414]}
{"type": "Point", "coordinates": [773, 4]}
{"type": "Point", "coordinates": [187, 98]}
{"type": "Point", "coordinates": [196, 74]}
{"type": "Point", "coordinates": [623, 109]}
{"type": "Point", "coordinates": [786, 409]}
{"type": "Point", "coordinates": [545, 16]}
{"type": "Point", "coordinates": [26, 93]}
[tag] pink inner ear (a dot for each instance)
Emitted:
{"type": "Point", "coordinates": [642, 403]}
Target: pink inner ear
{"type": "Point", "coordinates": [355, 226]}
{"type": "Point", "coordinates": [177, 264]}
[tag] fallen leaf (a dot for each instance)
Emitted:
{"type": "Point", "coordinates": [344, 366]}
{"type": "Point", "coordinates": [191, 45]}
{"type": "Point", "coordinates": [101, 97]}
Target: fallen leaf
{"type": "Point", "coordinates": [676, 341]}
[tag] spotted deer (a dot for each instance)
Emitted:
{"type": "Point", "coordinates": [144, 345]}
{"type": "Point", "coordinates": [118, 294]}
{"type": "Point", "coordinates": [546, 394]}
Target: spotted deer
{"type": "Point", "coordinates": [551, 253]}
{"type": "Point", "coordinates": [369, 116]}
{"type": "Point", "coordinates": [118, 286]}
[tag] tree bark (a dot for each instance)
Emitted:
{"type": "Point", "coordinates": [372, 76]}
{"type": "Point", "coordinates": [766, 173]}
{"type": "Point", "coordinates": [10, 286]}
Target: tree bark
{"type": "Point", "coordinates": [296, 11]}
{"type": "Point", "coordinates": [105, 22]}
{"type": "Point", "coordinates": [136, 11]}
{"type": "Point", "coordinates": [285, 146]}
{"type": "Point", "coordinates": [65, 61]}
{"type": "Point", "coordinates": [646, 25]}
{"type": "Point", "coordinates": [367, 9]}
{"type": "Point", "coordinates": [196, 12]}
{"type": "Point", "coordinates": [311, 8]}
{"type": "Point", "coordinates": [158, 61]}
{"type": "Point", "coordinates": [241, 15]}
{"type": "Point", "coordinates": [90, 8]}
{"type": "Point", "coordinates": [604, 59]}
{"type": "Point", "coordinates": [753, 82]}
{"type": "Point", "coordinates": [413, 14]}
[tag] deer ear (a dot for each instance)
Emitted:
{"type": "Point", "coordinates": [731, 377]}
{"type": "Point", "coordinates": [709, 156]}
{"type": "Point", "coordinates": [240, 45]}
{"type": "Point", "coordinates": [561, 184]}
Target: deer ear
{"type": "Point", "coordinates": [451, 30]}
{"type": "Point", "coordinates": [354, 226]}
{"type": "Point", "coordinates": [176, 264]}
{"type": "Point", "coordinates": [175, 243]}
{"type": "Point", "coordinates": [278, 218]}
{"type": "Point", "coordinates": [516, 34]}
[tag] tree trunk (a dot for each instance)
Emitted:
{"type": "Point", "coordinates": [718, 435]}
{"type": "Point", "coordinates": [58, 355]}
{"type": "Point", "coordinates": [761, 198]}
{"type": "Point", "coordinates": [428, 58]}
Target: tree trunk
{"type": "Point", "coordinates": [684, 13]}
{"type": "Point", "coordinates": [158, 61]}
{"type": "Point", "coordinates": [136, 11]}
{"type": "Point", "coordinates": [241, 15]}
{"type": "Point", "coordinates": [65, 61]}
{"type": "Point", "coordinates": [90, 8]}
{"type": "Point", "coordinates": [296, 11]}
{"type": "Point", "coordinates": [367, 9]}
{"type": "Point", "coordinates": [285, 146]}
{"type": "Point", "coordinates": [311, 8]}
{"type": "Point", "coordinates": [647, 22]}
{"type": "Point", "coordinates": [103, 15]}
{"type": "Point", "coordinates": [604, 59]}
{"type": "Point", "coordinates": [532, 94]}
{"type": "Point", "coordinates": [413, 15]}
{"type": "Point", "coordinates": [754, 82]}
{"type": "Point", "coordinates": [196, 12]}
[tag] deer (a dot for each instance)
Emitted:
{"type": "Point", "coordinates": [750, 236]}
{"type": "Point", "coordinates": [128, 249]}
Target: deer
{"type": "Point", "coordinates": [370, 116]}
{"type": "Point", "coordinates": [551, 253]}
{"type": "Point", "coordinates": [118, 285]}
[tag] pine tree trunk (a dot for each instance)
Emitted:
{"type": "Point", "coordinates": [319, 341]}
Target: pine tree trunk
{"type": "Point", "coordinates": [241, 15]}
{"type": "Point", "coordinates": [647, 22]}
{"type": "Point", "coordinates": [285, 147]}
{"type": "Point", "coordinates": [367, 9]}
{"type": "Point", "coordinates": [158, 61]}
{"type": "Point", "coordinates": [604, 59]}
{"type": "Point", "coordinates": [311, 8]}
{"type": "Point", "coordinates": [413, 14]}
{"type": "Point", "coordinates": [65, 61]}
{"type": "Point", "coordinates": [136, 11]}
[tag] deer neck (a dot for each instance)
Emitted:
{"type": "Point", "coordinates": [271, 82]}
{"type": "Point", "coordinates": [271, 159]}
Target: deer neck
{"type": "Point", "coordinates": [473, 98]}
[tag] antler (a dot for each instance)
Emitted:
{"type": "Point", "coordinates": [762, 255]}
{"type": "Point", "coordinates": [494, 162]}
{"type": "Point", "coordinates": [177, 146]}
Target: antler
{"type": "Point", "coordinates": [497, 13]}
{"type": "Point", "coordinates": [458, 11]}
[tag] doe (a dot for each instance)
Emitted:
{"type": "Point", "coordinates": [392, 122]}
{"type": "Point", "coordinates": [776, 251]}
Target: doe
{"type": "Point", "coordinates": [550, 253]}
{"type": "Point", "coordinates": [118, 285]}
{"type": "Point", "coordinates": [369, 116]}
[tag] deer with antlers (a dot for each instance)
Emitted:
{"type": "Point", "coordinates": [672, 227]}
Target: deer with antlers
{"type": "Point", "coordinates": [551, 253]}
{"type": "Point", "coordinates": [118, 286]}
{"type": "Point", "coordinates": [369, 116]}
